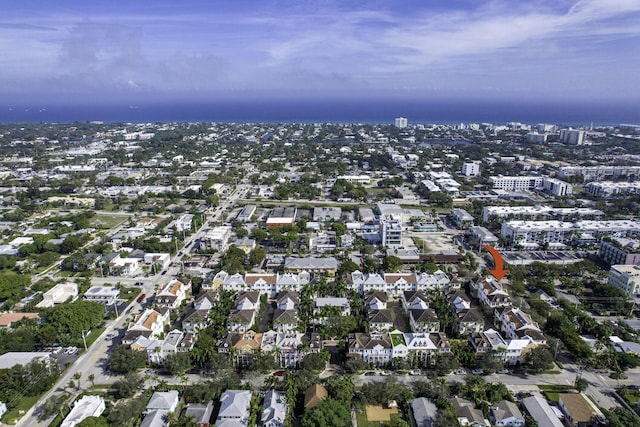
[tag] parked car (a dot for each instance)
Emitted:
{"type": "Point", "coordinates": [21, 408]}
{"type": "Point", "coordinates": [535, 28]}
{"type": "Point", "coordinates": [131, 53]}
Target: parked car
{"type": "Point", "coordinates": [279, 373]}
{"type": "Point", "coordinates": [385, 373]}
{"type": "Point", "coordinates": [503, 371]}
{"type": "Point", "coordinates": [369, 374]}
{"type": "Point", "coordinates": [414, 372]}
{"type": "Point", "coordinates": [477, 371]}
{"type": "Point", "coordinates": [141, 298]}
{"type": "Point", "coordinates": [461, 372]}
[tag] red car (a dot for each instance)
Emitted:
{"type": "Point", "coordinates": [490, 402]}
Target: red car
{"type": "Point", "coordinates": [279, 373]}
{"type": "Point", "coordinates": [141, 297]}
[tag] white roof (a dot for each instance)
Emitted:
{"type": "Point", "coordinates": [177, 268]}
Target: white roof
{"type": "Point", "coordinates": [13, 358]}
{"type": "Point", "coordinates": [88, 406]}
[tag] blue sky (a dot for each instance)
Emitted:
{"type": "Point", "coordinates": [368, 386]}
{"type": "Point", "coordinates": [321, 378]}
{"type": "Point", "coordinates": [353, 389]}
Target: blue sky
{"type": "Point", "coordinates": [462, 49]}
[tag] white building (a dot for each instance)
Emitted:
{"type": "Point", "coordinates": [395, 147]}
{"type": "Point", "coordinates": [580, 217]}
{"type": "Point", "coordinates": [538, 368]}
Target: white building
{"type": "Point", "coordinates": [88, 406]}
{"type": "Point", "coordinates": [538, 211]}
{"type": "Point", "coordinates": [59, 294]}
{"type": "Point", "coordinates": [600, 173]}
{"type": "Point", "coordinates": [184, 222]}
{"type": "Point", "coordinates": [235, 406]}
{"type": "Point", "coordinates": [626, 278]}
{"type": "Point", "coordinates": [533, 233]}
{"type": "Point", "coordinates": [471, 169]}
{"type": "Point", "coordinates": [216, 238]}
{"type": "Point", "coordinates": [162, 260]}
{"type": "Point", "coordinates": [246, 213]}
{"type": "Point", "coordinates": [401, 122]}
{"type": "Point", "coordinates": [608, 189]}
{"type": "Point", "coordinates": [391, 231]}
{"type": "Point", "coordinates": [275, 409]}
{"type": "Point", "coordinates": [556, 187]}
{"type": "Point", "coordinates": [106, 295]}
{"type": "Point", "coordinates": [516, 183]}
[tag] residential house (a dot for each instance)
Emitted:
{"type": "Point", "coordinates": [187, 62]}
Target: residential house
{"type": "Point", "coordinates": [7, 319]}
{"type": "Point", "coordinates": [506, 414]}
{"type": "Point", "coordinates": [246, 244]}
{"type": "Point", "coordinates": [517, 324]}
{"type": "Point", "coordinates": [275, 409]}
{"type": "Point", "coordinates": [150, 324]}
{"type": "Point", "coordinates": [375, 300]}
{"type": "Point", "coordinates": [241, 346]}
{"type": "Point", "coordinates": [126, 267]}
{"type": "Point", "coordinates": [423, 412]}
{"type": "Point", "coordinates": [460, 301]}
{"type": "Point", "coordinates": [380, 320]}
{"type": "Point", "coordinates": [487, 342]}
{"type": "Point", "coordinates": [285, 316]}
{"type": "Point", "coordinates": [580, 411]}
{"type": "Point", "coordinates": [491, 293]}
{"type": "Point", "coordinates": [235, 408]}
{"type": "Point", "coordinates": [243, 317]}
{"type": "Point", "coordinates": [173, 293]}
{"type": "Point", "coordinates": [467, 414]}
{"type": "Point", "coordinates": [371, 348]}
{"type": "Point", "coordinates": [290, 347]}
{"type": "Point", "coordinates": [470, 321]}
{"type": "Point", "coordinates": [313, 395]}
{"type": "Point", "coordinates": [326, 306]}
{"type": "Point", "coordinates": [424, 320]}
{"type": "Point", "coordinates": [163, 401]}
{"type": "Point", "coordinates": [199, 413]}
{"type": "Point", "coordinates": [414, 300]}
{"type": "Point", "coordinates": [58, 294]}
{"type": "Point", "coordinates": [517, 349]}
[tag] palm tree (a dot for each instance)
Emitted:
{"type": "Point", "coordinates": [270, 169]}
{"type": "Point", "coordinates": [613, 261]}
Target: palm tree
{"type": "Point", "coordinates": [92, 378]}
{"type": "Point", "coordinates": [77, 377]}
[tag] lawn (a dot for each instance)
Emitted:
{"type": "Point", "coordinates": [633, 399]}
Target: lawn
{"type": "Point", "coordinates": [93, 336]}
{"type": "Point", "coordinates": [552, 392]}
{"type": "Point", "coordinates": [106, 222]}
{"type": "Point", "coordinates": [24, 404]}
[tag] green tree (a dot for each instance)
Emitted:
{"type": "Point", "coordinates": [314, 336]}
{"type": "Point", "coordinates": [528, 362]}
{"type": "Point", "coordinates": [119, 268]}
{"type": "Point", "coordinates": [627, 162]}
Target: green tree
{"type": "Point", "coordinates": [315, 361]}
{"type": "Point", "coordinates": [256, 256]}
{"type": "Point", "coordinates": [581, 384]}
{"type": "Point", "coordinates": [328, 413]}
{"type": "Point", "coordinates": [340, 388]}
{"type": "Point", "coordinates": [178, 364]}
{"type": "Point", "coordinates": [391, 263]}
{"type": "Point", "coordinates": [94, 422]}
{"type": "Point", "coordinates": [127, 386]}
{"type": "Point", "coordinates": [123, 360]}
{"type": "Point", "coordinates": [540, 359]}
{"type": "Point", "coordinates": [12, 284]}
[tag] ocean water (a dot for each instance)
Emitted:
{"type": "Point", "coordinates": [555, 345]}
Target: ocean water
{"type": "Point", "coordinates": [329, 111]}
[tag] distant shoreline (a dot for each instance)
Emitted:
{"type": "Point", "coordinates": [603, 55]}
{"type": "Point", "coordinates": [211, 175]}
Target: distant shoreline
{"type": "Point", "coordinates": [328, 111]}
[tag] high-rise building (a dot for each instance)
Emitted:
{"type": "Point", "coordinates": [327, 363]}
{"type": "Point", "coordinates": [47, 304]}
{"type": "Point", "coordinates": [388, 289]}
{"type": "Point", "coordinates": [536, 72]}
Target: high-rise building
{"type": "Point", "coordinates": [572, 136]}
{"type": "Point", "coordinates": [401, 122]}
{"type": "Point", "coordinates": [471, 168]}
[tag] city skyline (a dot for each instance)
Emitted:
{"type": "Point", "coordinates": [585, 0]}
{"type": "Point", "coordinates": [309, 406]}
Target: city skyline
{"type": "Point", "coordinates": [555, 50]}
